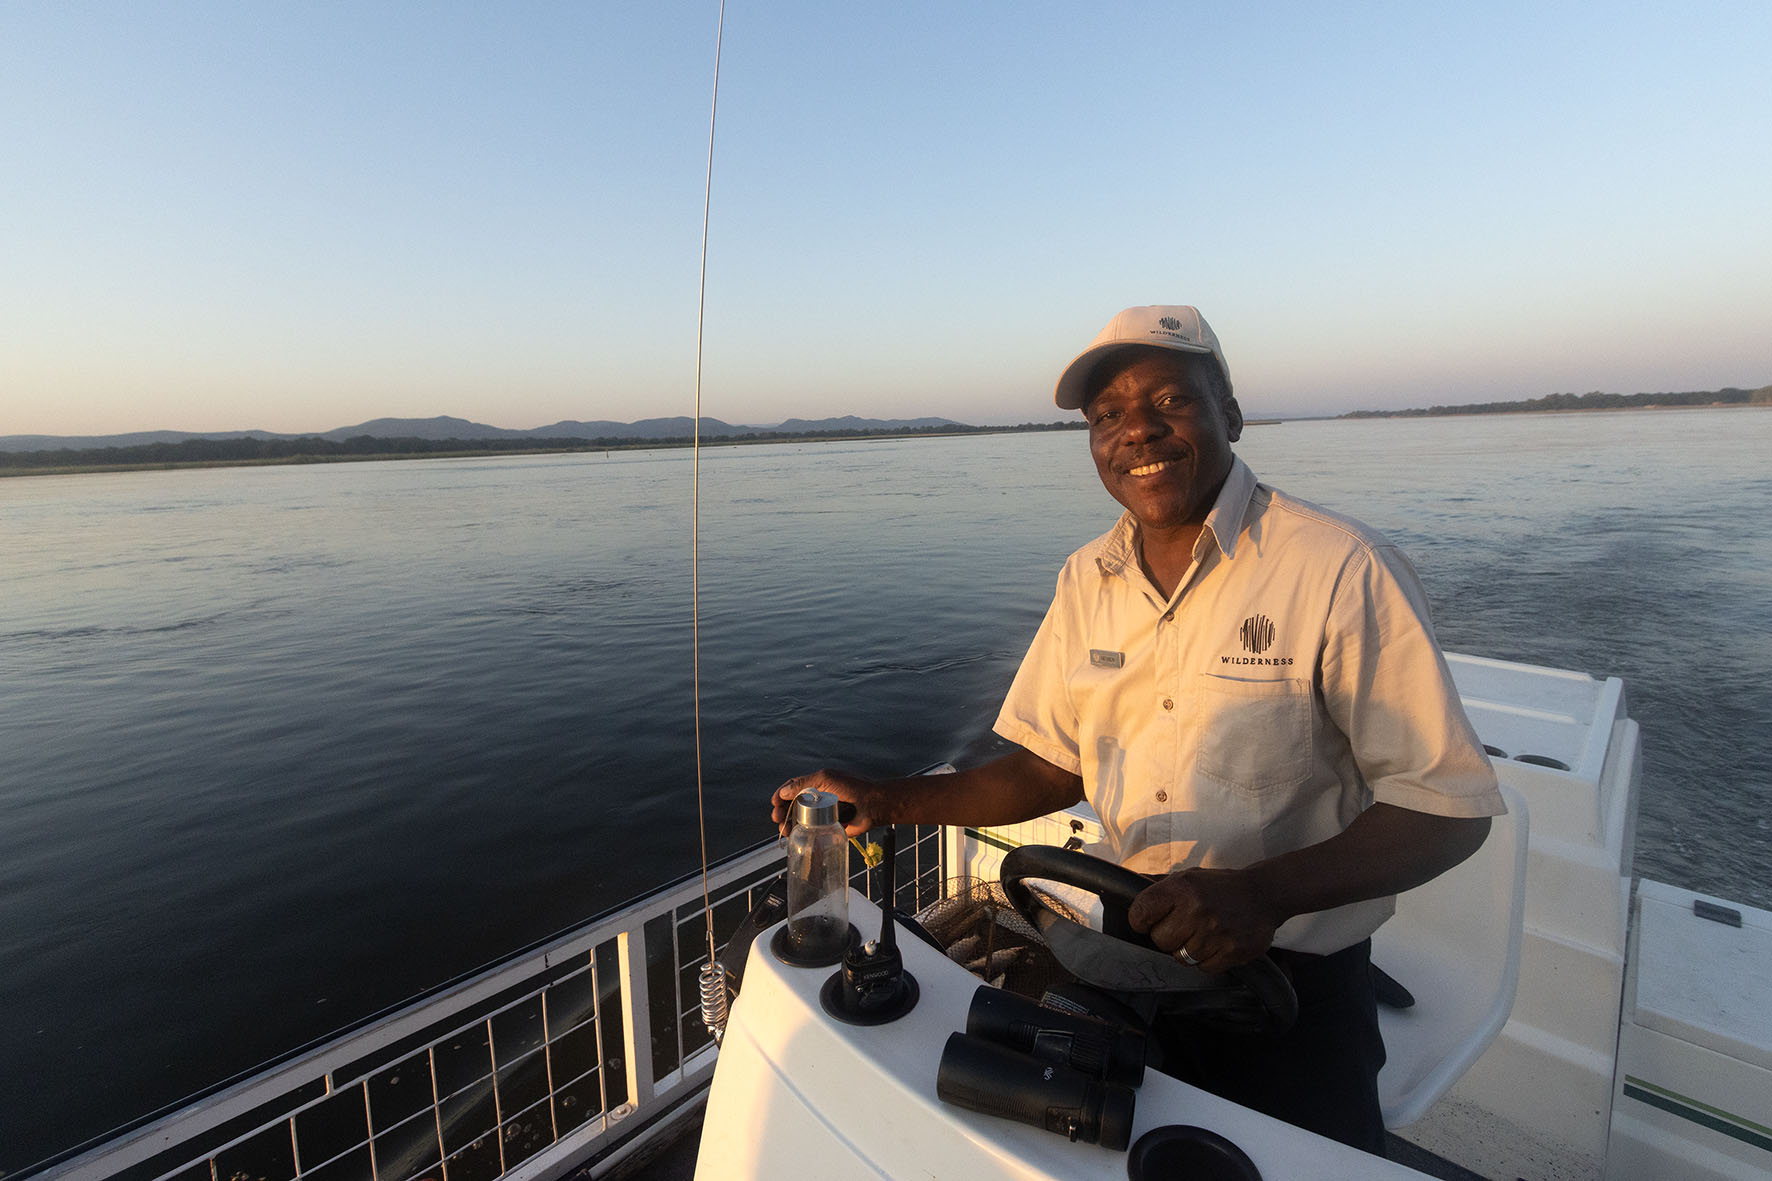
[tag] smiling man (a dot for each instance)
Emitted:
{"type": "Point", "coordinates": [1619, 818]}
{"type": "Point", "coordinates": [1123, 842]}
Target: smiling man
{"type": "Point", "coordinates": [1247, 690]}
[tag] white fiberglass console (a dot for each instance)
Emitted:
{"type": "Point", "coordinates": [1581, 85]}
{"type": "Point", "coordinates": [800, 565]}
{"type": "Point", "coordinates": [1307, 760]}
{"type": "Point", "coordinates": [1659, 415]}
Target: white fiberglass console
{"type": "Point", "coordinates": [799, 1093]}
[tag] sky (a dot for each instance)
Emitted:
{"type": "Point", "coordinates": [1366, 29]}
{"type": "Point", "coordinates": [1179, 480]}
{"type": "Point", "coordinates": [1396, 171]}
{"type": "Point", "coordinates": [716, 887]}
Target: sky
{"type": "Point", "coordinates": [299, 216]}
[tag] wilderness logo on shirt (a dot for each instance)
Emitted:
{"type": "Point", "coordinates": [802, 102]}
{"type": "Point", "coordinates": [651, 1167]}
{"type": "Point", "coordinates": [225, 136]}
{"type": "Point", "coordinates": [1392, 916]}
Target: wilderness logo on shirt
{"type": "Point", "coordinates": [1257, 635]}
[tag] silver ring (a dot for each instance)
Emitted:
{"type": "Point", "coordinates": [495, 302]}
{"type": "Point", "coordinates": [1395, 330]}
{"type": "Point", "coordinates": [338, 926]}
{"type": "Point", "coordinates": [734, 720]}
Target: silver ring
{"type": "Point", "coordinates": [1187, 958]}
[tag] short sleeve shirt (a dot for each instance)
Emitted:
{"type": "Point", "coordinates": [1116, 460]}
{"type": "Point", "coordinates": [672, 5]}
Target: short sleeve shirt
{"type": "Point", "coordinates": [1290, 682]}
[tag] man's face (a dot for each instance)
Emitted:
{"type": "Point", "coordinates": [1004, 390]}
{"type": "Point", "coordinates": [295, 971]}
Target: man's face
{"type": "Point", "coordinates": [1161, 438]}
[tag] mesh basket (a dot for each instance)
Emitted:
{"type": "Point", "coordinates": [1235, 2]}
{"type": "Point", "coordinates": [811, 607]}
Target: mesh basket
{"type": "Point", "coordinates": [979, 930]}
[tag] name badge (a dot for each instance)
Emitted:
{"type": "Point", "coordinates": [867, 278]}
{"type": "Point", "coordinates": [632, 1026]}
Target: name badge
{"type": "Point", "coordinates": [1101, 658]}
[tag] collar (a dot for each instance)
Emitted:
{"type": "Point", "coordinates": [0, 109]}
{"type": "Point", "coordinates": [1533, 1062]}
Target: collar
{"type": "Point", "coordinates": [1224, 524]}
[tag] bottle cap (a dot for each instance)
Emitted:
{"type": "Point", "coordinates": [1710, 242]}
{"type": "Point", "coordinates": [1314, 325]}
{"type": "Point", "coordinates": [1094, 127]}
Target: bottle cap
{"type": "Point", "coordinates": [814, 808]}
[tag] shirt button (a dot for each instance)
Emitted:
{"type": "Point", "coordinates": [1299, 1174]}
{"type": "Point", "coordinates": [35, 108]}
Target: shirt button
{"type": "Point", "coordinates": [1168, 703]}
{"type": "Point", "coordinates": [1162, 797]}
{"type": "Point", "coordinates": [1169, 617]}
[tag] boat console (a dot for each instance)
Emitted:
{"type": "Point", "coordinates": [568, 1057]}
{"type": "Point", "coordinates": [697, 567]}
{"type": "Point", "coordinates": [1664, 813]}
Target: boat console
{"type": "Point", "coordinates": [799, 1093]}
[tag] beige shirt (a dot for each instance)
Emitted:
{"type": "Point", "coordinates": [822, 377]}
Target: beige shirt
{"type": "Point", "coordinates": [1291, 681]}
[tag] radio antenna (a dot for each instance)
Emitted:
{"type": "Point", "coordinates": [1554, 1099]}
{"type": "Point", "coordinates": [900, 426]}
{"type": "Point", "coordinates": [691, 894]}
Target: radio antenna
{"type": "Point", "coordinates": [714, 990]}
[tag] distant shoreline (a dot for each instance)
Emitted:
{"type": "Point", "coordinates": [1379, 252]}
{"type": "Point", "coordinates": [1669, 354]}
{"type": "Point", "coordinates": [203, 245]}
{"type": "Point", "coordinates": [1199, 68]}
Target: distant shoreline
{"type": "Point", "coordinates": [1583, 403]}
{"type": "Point", "coordinates": [1372, 414]}
{"type": "Point", "coordinates": [156, 457]}
{"type": "Point", "coordinates": [42, 463]}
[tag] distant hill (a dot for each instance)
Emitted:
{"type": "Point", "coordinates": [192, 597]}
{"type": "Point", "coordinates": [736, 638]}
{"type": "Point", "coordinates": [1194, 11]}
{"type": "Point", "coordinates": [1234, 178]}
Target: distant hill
{"type": "Point", "coordinates": [135, 439]}
{"type": "Point", "coordinates": [446, 427]}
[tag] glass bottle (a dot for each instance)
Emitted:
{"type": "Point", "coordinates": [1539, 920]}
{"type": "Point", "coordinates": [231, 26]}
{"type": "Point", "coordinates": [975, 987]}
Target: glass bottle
{"type": "Point", "coordinates": [818, 880]}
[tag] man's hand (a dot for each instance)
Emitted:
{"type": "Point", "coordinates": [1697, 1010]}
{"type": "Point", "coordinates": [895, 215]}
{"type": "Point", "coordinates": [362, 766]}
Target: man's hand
{"type": "Point", "coordinates": [1219, 917]}
{"type": "Point", "coordinates": [849, 789]}
{"type": "Point", "coordinates": [1226, 917]}
{"type": "Point", "coordinates": [1017, 786]}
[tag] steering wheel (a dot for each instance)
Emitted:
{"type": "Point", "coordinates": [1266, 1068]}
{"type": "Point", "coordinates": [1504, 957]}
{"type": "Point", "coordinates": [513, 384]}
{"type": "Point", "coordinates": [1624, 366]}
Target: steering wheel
{"type": "Point", "coordinates": [1255, 997]}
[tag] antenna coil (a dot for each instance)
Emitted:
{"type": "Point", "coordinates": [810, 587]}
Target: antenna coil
{"type": "Point", "coordinates": [716, 995]}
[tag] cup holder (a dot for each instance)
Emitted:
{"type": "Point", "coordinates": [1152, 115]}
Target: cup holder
{"type": "Point", "coordinates": [1183, 1150]}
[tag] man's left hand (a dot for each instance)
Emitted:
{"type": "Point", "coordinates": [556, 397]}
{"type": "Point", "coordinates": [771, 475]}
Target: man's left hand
{"type": "Point", "coordinates": [1219, 917]}
{"type": "Point", "coordinates": [1225, 917]}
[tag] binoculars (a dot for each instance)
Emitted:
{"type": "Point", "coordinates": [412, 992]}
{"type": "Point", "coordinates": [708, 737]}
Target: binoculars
{"type": "Point", "coordinates": [1068, 1073]}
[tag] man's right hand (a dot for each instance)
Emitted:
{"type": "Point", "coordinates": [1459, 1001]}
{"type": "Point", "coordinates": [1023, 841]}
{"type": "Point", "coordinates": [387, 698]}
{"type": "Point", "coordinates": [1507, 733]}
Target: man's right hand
{"type": "Point", "coordinates": [1017, 786]}
{"type": "Point", "coordinates": [849, 789]}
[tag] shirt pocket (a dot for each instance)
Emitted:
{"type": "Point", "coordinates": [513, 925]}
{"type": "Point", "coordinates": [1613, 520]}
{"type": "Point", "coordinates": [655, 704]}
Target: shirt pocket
{"type": "Point", "coordinates": [1255, 735]}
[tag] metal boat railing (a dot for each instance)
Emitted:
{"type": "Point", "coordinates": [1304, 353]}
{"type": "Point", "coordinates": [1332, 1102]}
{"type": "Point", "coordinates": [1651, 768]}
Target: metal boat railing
{"type": "Point", "coordinates": [564, 1056]}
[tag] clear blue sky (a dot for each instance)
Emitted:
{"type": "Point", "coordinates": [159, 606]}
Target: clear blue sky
{"type": "Point", "coordinates": [298, 216]}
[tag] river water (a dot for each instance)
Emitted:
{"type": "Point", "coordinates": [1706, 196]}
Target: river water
{"type": "Point", "coordinates": [281, 747]}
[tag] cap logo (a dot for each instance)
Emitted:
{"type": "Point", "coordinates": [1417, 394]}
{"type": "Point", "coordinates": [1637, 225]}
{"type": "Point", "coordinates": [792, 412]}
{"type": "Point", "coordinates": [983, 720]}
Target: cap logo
{"type": "Point", "coordinates": [1170, 322]}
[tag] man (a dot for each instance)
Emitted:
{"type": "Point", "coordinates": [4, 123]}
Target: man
{"type": "Point", "coordinates": [1247, 690]}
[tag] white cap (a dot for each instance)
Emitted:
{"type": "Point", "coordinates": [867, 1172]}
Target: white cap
{"type": "Point", "coordinates": [1159, 326]}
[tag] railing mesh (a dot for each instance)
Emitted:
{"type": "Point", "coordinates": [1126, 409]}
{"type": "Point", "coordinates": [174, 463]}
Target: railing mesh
{"type": "Point", "coordinates": [466, 1101]}
{"type": "Point", "coordinates": [483, 1078]}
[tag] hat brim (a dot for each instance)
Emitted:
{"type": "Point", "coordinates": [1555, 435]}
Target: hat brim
{"type": "Point", "coordinates": [1072, 389]}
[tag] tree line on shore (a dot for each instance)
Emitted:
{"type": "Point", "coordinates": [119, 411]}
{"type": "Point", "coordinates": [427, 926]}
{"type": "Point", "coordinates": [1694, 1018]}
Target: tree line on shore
{"type": "Point", "coordinates": [1594, 400]}
{"type": "Point", "coordinates": [314, 449]}
{"type": "Point", "coordinates": [252, 449]}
